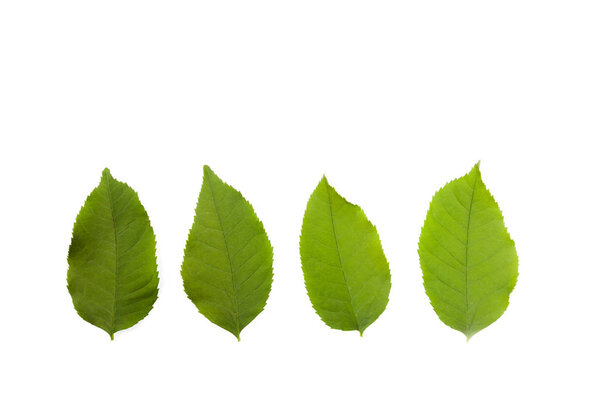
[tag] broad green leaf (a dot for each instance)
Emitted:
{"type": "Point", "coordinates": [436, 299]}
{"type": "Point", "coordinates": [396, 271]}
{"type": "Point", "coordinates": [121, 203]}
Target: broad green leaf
{"type": "Point", "coordinates": [468, 259]}
{"type": "Point", "coordinates": [227, 268]}
{"type": "Point", "coordinates": [112, 277]}
{"type": "Point", "coordinates": [346, 274]}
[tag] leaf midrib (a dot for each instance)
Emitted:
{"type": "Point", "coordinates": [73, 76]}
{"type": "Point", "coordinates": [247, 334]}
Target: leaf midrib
{"type": "Point", "coordinates": [468, 322]}
{"type": "Point", "coordinates": [112, 214]}
{"type": "Point", "coordinates": [337, 248]}
{"type": "Point", "coordinates": [233, 286]}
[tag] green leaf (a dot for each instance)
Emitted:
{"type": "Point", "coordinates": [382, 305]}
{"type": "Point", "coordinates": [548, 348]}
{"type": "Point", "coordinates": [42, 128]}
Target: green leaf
{"type": "Point", "coordinates": [468, 259]}
{"type": "Point", "coordinates": [227, 268]}
{"type": "Point", "coordinates": [112, 277]}
{"type": "Point", "coordinates": [346, 274]}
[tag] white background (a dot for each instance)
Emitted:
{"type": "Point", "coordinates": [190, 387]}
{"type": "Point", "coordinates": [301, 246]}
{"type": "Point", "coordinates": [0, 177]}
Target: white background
{"type": "Point", "coordinates": [390, 99]}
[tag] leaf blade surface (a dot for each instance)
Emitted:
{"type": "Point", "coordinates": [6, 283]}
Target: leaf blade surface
{"type": "Point", "coordinates": [227, 268]}
{"type": "Point", "coordinates": [468, 260]}
{"type": "Point", "coordinates": [346, 274]}
{"type": "Point", "coordinates": [112, 275]}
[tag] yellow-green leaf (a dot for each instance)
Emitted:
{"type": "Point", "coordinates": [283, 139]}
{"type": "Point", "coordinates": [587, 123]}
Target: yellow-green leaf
{"type": "Point", "coordinates": [468, 259]}
{"type": "Point", "coordinates": [346, 274]}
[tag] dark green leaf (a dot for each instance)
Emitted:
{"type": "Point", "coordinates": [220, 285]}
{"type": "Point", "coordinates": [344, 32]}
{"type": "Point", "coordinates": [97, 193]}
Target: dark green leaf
{"type": "Point", "coordinates": [228, 264]}
{"type": "Point", "coordinates": [112, 277]}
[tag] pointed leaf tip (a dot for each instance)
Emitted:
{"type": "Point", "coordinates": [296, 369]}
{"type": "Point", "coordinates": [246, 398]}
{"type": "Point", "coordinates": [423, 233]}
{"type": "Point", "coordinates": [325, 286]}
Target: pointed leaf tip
{"type": "Point", "coordinates": [475, 171]}
{"type": "Point", "coordinates": [210, 174]}
{"type": "Point", "coordinates": [324, 180]}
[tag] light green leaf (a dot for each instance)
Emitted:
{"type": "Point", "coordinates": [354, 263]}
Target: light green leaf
{"type": "Point", "coordinates": [468, 259]}
{"type": "Point", "coordinates": [346, 274]}
{"type": "Point", "coordinates": [112, 277]}
{"type": "Point", "coordinates": [227, 268]}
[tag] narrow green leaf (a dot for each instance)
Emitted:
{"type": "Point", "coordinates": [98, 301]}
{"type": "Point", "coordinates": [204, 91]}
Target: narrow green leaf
{"type": "Point", "coordinates": [112, 276]}
{"type": "Point", "coordinates": [346, 274]}
{"type": "Point", "coordinates": [227, 268]}
{"type": "Point", "coordinates": [468, 259]}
